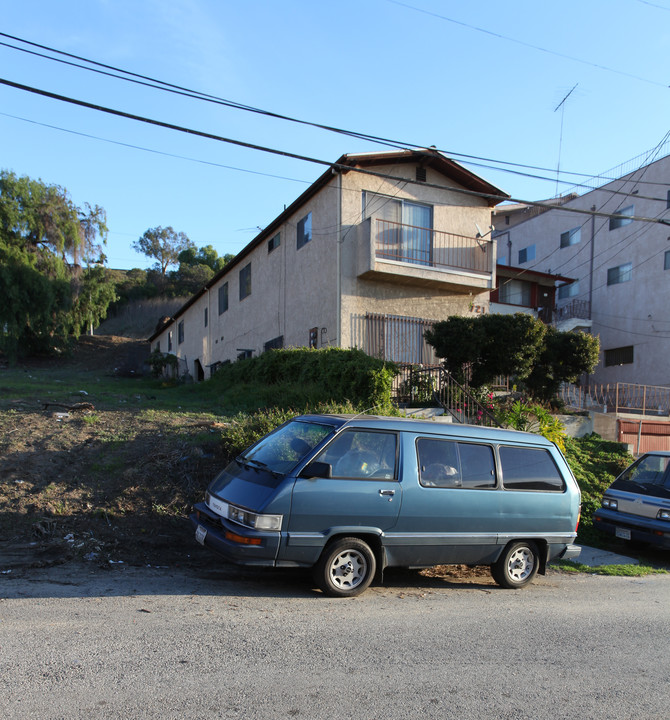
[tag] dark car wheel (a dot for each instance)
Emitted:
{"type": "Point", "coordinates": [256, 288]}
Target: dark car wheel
{"type": "Point", "coordinates": [517, 566]}
{"type": "Point", "coordinates": [346, 568]}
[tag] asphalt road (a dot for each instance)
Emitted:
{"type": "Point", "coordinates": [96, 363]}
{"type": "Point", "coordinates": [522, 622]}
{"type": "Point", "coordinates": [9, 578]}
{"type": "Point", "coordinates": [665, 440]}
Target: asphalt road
{"type": "Point", "coordinates": [83, 642]}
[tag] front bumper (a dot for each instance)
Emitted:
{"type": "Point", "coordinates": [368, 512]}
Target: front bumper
{"type": "Point", "coordinates": [232, 541]}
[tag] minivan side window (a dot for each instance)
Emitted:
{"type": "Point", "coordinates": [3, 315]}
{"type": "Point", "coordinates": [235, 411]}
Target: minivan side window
{"type": "Point", "coordinates": [529, 469]}
{"type": "Point", "coordinates": [445, 463]}
{"type": "Point", "coordinates": [362, 454]}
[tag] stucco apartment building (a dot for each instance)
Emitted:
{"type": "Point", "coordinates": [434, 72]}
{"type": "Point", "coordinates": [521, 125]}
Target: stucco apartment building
{"type": "Point", "coordinates": [619, 267]}
{"type": "Point", "coordinates": [380, 246]}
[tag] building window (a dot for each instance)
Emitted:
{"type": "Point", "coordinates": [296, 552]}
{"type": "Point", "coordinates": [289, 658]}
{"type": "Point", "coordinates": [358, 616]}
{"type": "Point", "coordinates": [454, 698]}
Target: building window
{"type": "Point", "coordinates": [223, 298]}
{"type": "Point", "coordinates": [568, 290]}
{"type": "Point", "coordinates": [619, 356]}
{"type": "Point", "coordinates": [666, 264]}
{"type": "Point", "coordinates": [617, 222]}
{"type": "Point", "coordinates": [245, 281]}
{"type": "Point", "coordinates": [274, 242]}
{"type": "Point", "coordinates": [180, 333]}
{"type": "Point", "coordinates": [667, 202]}
{"type": "Point", "coordinates": [274, 344]}
{"type": "Point", "coordinates": [421, 174]}
{"type": "Point", "coordinates": [571, 237]}
{"type": "Point", "coordinates": [244, 353]}
{"type": "Point", "coordinates": [206, 317]}
{"type": "Point", "coordinates": [157, 347]}
{"type": "Point", "coordinates": [403, 229]}
{"type": "Point", "coordinates": [619, 274]}
{"type": "Point", "coordinates": [515, 292]}
{"type": "Point", "coordinates": [314, 337]}
{"type": "Point", "coordinates": [170, 341]}
{"type": "Point", "coordinates": [527, 254]}
{"type": "Point", "coordinates": [304, 230]}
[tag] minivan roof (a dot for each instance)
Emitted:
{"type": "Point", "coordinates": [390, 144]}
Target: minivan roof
{"type": "Point", "coordinates": [455, 430]}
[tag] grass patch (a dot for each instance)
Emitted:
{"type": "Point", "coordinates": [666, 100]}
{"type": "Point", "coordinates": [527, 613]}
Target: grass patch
{"type": "Point", "coordinates": [613, 570]}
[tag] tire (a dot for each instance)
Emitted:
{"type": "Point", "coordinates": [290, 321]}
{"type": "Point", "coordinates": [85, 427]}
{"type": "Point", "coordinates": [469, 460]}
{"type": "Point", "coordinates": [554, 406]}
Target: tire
{"type": "Point", "coordinates": [346, 568]}
{"type": "Point", "coordinates": [517, 566]}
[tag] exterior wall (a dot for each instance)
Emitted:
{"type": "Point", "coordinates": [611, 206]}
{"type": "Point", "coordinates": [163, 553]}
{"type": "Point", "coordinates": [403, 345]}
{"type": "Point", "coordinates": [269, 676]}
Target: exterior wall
{"type": "Point", "coordinates": [631, 313]}
{"type": "Point", "coordinates": [292, 291]}
{"type": "Point", "coordinates": [320, 285]}
{"type": "Point", "coordinates": [452, 212]}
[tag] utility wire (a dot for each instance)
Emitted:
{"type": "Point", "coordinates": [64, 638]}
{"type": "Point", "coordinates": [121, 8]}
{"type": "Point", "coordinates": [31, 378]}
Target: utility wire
{"type": "Point", "coordinates": [198, 95]}
{"type": "Point", "coordinates": [305, 158]}
{"type": "Point", "coordinates": [523, 43]}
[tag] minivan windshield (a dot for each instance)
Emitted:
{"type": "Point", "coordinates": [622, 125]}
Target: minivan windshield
{"type": "Point", "coordinates": [283, 449]}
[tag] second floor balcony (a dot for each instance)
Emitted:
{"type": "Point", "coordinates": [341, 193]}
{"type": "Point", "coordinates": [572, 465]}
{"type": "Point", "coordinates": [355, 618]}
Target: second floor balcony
{"type": "Point", "coordinates": [423, 256]}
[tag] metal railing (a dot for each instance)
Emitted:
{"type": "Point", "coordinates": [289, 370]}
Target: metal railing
{"type": "Point", "coordinates": [618, 398]}
{"type": "Point", "coordinates": [580, 309]}
{"type": "Point", "coordinates": [431, 248]}
{"type": "Point", "coordinates": [419, 385]}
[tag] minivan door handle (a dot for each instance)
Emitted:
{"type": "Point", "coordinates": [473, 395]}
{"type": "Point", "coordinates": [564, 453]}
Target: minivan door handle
{"type": "Point", "coordinates": [387, 493]}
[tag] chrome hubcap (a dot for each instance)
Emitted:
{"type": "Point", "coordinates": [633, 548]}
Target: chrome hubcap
{"type": "Point", "coordinates": [348, 569]}
{"type": "Point", "coordinates": [521, 564]}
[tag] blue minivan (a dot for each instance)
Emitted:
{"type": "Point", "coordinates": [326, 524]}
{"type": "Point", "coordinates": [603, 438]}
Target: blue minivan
{"type": "Point", "coordinates": [351, 495]}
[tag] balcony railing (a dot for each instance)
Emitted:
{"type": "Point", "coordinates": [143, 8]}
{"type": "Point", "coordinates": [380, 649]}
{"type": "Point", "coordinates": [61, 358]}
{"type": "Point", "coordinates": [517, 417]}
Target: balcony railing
{"type": "Point", "coordinates": [575, 309]}
{"type": "Point", "coordinates": [431, 248]}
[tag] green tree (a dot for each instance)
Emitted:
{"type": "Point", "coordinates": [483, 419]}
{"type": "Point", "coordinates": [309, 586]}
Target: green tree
{"type": "Point", "coordinates": [44, 237]}
{"type": "Point", "coordinates": [482, 348]}
{"type": "Point", "coordinates": [538, 356]}
{"type": "Point", "coordinates": [163, 245]}
{"type": "Point", "coordinates": [565, 356]}
{"type": "Point", "coordinates": [206, 255]}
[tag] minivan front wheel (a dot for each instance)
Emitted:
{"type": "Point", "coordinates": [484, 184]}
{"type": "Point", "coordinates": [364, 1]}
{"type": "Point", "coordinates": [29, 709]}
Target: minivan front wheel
{"type": "Point", "coordinates": [517, 566]}
{"type": "Point", "coordinates": [346, 568]}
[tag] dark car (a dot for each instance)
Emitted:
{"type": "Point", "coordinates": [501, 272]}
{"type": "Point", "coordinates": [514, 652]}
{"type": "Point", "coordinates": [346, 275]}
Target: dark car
{"type": "Point", "coordinates": [636, 506]}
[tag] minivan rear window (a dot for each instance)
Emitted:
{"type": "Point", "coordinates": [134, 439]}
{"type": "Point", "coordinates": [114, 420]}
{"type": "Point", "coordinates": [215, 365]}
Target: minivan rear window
{"type": "Point", "coordinates": [529, 469]}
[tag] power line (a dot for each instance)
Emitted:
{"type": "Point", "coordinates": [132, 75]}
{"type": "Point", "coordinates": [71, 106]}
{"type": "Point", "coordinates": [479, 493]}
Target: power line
{"type": "Point", "coordinates": [306, 158]}
{"type": "Point", "coordinates": [523, 43]}
{"type": "Point", "coordinates": [198, 95]}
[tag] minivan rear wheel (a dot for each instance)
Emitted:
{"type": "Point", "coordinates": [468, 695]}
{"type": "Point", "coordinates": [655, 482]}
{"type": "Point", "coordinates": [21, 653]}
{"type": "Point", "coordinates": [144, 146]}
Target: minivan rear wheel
{"type": "Point", "coordinates": [346, 568]}
{"type": "Point", "coordinates": [517, 566]}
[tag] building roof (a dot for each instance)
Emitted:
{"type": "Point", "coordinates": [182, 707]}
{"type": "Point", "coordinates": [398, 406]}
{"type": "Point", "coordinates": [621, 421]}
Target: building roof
{"type": "Point", "coordinates": [426, 157]}
{"type": "Point", "coordinates": [547, 279]}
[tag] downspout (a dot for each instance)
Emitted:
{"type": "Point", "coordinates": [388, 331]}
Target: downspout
{"type": "Point", "coordinates": [338, 327]}
{"type": "Point", "coordinates": [593, 240]}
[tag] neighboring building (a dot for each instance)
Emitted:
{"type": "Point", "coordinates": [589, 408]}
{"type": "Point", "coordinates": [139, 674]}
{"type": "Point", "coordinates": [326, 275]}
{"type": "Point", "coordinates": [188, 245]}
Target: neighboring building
{"type": "Point", "coordinates": [620, 268]}
{"type": "Point", "coordinates": [379, 247]}
{"type": "Point", "coordinates": [527, 291]}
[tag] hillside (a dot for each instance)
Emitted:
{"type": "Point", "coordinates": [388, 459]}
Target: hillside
{"type": "Point", "coordinates": [89, 469]}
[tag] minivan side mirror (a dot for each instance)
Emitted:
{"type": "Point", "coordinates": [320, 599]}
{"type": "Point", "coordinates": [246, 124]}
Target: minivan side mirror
{"type": "Point", "coordinates": [317, 469]}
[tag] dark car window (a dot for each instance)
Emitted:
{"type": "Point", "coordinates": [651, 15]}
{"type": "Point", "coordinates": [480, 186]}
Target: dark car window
{"type": "Point", "coordinates": [529, 469]}
{"type": "Point", "coordinates": [650, 475]}
{"type": "Point", "coordinates": [362, 454]}
{"type": "Point", "coordinates": [446, 463]}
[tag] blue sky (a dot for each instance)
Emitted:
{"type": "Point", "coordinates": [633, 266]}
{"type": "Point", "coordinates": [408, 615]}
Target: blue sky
{"type": "Point", "coordinates": [479, 78]}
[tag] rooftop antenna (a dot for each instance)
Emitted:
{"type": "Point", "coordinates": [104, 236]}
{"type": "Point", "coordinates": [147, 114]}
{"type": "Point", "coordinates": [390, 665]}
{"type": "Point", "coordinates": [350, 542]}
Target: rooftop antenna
{"type": "Point", "coordinates": [561, 105]}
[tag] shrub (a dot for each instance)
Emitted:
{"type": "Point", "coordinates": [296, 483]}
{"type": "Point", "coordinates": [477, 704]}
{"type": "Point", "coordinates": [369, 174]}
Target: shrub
{"type": "Point", "coordinates": [246, 429]}
{"type": "Point", "coordinates": [340, 375]}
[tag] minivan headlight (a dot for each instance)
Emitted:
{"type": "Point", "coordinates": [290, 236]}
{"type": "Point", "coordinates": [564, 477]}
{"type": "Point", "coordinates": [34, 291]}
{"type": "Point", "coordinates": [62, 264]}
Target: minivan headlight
{"type": "Point", "coordinates": [252, 520]}
{"type": "Point", "coordinates": [663, 515]}
{"type": "Point", "coordinates": [610, 503]}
